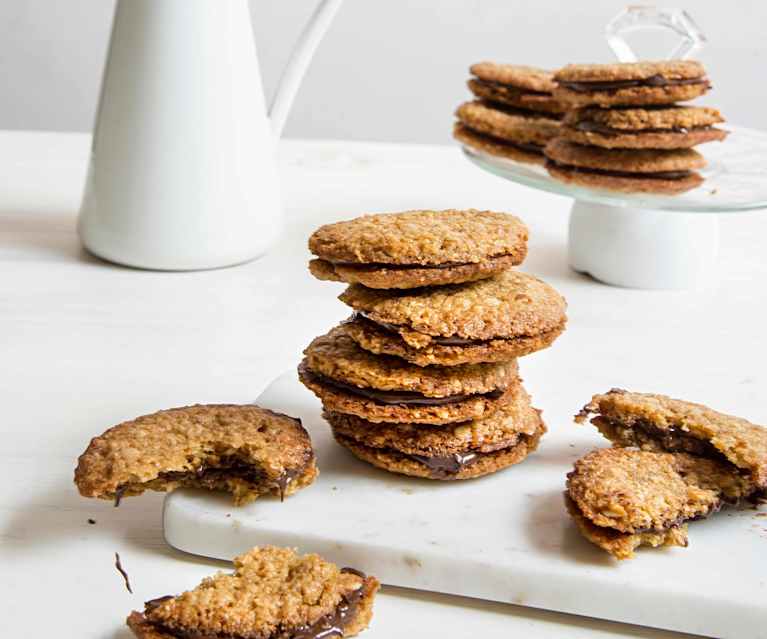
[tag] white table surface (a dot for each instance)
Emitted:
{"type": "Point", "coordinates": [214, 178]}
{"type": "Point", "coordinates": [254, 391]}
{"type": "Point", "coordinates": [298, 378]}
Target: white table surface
{"type": "Point", "coordinates": [85, 345]}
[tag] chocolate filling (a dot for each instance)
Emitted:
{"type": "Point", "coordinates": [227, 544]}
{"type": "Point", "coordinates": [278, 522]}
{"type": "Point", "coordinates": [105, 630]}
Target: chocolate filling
{"type": "Point", "coordinates": [400, 398]}
{"type": "Point", "coordinates": [447, 465]}
{"type": "Point", "coordinates": [596, 127]}
{"type": "Point", "coordinates": [657, 175]}
{"type": "Point", "coordinates": [330, 625]}
{"type": "Point", "coordinates": [374, 266]}
{"type": "Point", "coordinates": [616, 85]}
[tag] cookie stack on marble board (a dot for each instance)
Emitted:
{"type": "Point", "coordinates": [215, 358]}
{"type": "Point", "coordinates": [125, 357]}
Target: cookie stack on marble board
{"type": "Point", "coordinates": [624, 130]}
{"type": "Point", "coordinates": [422, 379]}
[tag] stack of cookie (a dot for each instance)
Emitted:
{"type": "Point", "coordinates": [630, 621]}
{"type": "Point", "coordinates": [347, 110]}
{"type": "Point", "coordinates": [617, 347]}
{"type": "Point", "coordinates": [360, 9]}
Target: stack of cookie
{"type": "Point", "coordinates": [422, 379]}
{"type": "Point", "coordinates": [514, 115]}
{"type": "Point", "coordinates": [625, 132]}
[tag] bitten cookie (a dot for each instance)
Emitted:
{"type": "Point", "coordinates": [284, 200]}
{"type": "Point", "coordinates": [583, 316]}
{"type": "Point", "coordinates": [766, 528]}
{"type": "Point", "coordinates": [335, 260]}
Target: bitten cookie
{"type": "Point", "coordinates": [634, 83]}
{"type": "Point", "coordinates": [418, 248]}
{"type": "Point", "coordinates": [633, 171]}
{"type": "Point", "coordinates": [672, 127]}
{"type": "Point", "coordinates": [515, 85]}
{"type": "Point", "coordinates": [273, 593]}
{"type": "Point", "coordinates": [524, 131]}
{"type": "Point", "coordinates": [623, 498]}
{"type": "Point", "coordinates": [349, 379]}
{"type": "Point", "coordinates": [245, 450]}
{"type": "Point", "coordinates": [493, 320]}
{"type": "Point", "coordinates": [659, 423]}
{"type": "Point", "coordinates": [457, 451]}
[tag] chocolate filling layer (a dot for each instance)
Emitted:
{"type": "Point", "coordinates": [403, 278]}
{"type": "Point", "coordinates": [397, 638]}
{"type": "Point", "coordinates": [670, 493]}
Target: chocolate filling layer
{"type": "Point", "coordinates": [372, 266]}
{"type": "Point", "coordinates": [596, 127]}
{"type": "Point", "coordinates": [616, 85]}
{"type": "Point", "coordinates": [657, 175]}
{"type": "Point", "coordinates": [403, 398]}
{"type": "Point", "coordinates": [327, 626]}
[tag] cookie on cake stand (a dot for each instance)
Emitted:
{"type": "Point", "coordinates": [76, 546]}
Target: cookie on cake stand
{"type": "Point", "coordinates": [665, 233]}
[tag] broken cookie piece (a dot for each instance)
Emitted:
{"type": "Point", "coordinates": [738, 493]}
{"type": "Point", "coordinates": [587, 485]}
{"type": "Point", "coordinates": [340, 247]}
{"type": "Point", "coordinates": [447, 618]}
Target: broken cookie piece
{"type": "Point", "coordinates": [241, 449]}
{"type": "Point", "coordinates": [659, 423]}
{"type": "Point", "coordinates": [274, 593]}
{"type": "Point", "coordinates": [623, 498]}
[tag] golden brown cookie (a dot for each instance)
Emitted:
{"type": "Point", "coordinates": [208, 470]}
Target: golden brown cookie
{"type": "Point", "coordinates": [518, 86]}
{"type": "Point", "coordinates": [634, 492]}
{"type": "Point", "coordinates": [494, 146]}
{"type": "Point", "coordinates": [669, 171]}
{"type": "Point", "coordinates": [516, 75]}
{"type": "Point", "coordinates": [672, 127]}
{"type": "Point", "coordinates": [526, 130]}
{"type": "Point", "coordinates": [274, 593]}
{"type": "Point", "coordinates": [659, 423]}
{"type": "Point", "coordinates": [634, 83]}
{"type": "Point", "coordinates": [482, 317]}
{"type": "Point", "coordinates": [418, 248]}
{"type": "Point", "coordinates": [245, 450]}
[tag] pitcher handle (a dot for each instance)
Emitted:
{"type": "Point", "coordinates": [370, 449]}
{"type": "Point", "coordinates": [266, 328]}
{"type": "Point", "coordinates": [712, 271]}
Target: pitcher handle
{"type": "Point", "coordinates": [298, 64]}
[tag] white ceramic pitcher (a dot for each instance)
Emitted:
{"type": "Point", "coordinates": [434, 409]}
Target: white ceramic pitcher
{"type": "Point", "coordinates": [183, 171]}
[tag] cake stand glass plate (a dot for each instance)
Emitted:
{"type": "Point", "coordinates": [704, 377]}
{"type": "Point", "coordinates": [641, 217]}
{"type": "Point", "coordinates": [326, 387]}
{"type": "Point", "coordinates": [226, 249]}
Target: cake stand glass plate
{"type": "Point", "coordinates": [735, 178]}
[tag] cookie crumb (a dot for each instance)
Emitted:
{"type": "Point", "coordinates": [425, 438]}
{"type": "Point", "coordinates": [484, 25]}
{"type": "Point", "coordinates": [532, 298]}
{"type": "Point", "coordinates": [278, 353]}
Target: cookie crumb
{"type": "Point", "coordinates": [91, 521]}
{"type": "Point", "coordinates": [121, 570]}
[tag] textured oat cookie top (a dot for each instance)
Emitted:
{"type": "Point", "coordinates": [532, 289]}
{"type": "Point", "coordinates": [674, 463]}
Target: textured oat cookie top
{"type": "Point", "coordinates": [420, 237]}
{"type": "Point", "coordinates": [337, 356]}
{"type": "Point", "coordinates": [632, 490]}
{"type": "Point", "coordinates": [182, 439]}
{"type": "Point", "coordinates": [638, 119]}
{"type": "Point", "coordinates": [670, 69]}
{"type": "Point", "coordinates": [524, 77]}
{"type": "Point", "coordinates": [743, 444]}
{"type": "Point", "coordinates": [508, 305]}
{"type": "Point", "coordinates": [629, 160]}
{"type": "Point", "coordinates": [271, 590]}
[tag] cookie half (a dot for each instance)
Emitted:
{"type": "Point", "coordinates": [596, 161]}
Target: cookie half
{"type": "Point", "coordinates": [349, 379]}
{"type": "Point", "coordinates": [627, 170]}
{"type": "Point", "coordinates": [418, 248]}
{"type": "Point", "coordinates": [242, 449]}
{"type": "Point", "coordinates": [273, 593]}
{"type": "Point", "coordinates": [515, 85]}
{"type": "Point", "coordinates": [506, 316]}
{"type": "Point", "coordinates": [672, 127]}
{"type": "Point", "coordinates": [456, 451]}
{"type": "Point", "coordinates": [660, 423]}
{"type": "Point", "coordinates": [497, 147]}
{"type": "Point", "coordinates": [633, 83]}
{"type": "Point", "coordinates": [623, 498]}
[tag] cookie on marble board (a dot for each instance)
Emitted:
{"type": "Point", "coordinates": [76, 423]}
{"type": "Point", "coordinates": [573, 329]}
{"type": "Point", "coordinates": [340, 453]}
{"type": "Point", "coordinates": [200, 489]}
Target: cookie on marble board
{"type": "Point", "coordinates": [418, 248]}
{"type": "Point", "coordinates": [631, 83]}
{"type": "Point", "coordinates": [657, 171]}
{"type": "Point", "coordinates": [273, 593]}
{"type": "Point", "coordinates": [382, 388]}
{"type": "Point", "coordinates": [666, 127]}
{"type": "Point", "coordinates": [515, 85]}
{"type": "Point", "coordinates": [456, 451]}
{"type": "Point", "coordinates": [659, 423]}
{"type": "Point", "coordinates": [241, 449]}
{"type": "Point", "coordinates": [507, 316]}
{"type": "Point", "coordinates": [623, 498]}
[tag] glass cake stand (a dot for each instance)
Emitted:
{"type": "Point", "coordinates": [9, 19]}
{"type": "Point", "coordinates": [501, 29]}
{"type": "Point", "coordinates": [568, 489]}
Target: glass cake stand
{"type": "Point", "coordinates": [646, 241]}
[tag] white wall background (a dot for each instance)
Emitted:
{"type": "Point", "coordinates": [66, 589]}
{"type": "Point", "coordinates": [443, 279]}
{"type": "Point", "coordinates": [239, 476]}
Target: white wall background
{"type": "Point", "coordinates": [389, 69]}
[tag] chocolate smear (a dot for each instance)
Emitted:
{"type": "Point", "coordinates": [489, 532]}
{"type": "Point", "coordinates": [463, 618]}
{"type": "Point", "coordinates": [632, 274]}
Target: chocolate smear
{"type": "Point", "coordinates": [121, 570]}
{"type": "Point", "coordinates": [91, 521]}
{"type": "Point", "coordinates": [119, 494]}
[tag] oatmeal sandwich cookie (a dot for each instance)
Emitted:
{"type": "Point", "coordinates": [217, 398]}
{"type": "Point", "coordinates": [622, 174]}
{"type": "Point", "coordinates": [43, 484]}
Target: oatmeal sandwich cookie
{"type": "Point", "coordinates": [350, 380]}
{"type": "Point", "coordinates": [516, 131]}
{"type": "Point", "coordinates": [273, 593]}
{"type": "Point", "coordinates": [493, 320]}
{"type": "Point", "coordinates": [515, 85]}
{"type": "Point", "coordinates": [623, 498]}
{"type": "Point", "coordinates": [633, 83]}
{"type": "Point", "coordinates": [418, 248]}
{"type": "Point", "coordinates": [665, 127]}
{"type": "Point", "coordinates": [456, 451]}
{"type": "Point", "coordinates": [659, 423]}
{"type": "Point", "coordinates": [628, 170]}
{"type": "Point", "coordinates": [245, 450]}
